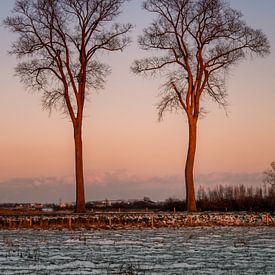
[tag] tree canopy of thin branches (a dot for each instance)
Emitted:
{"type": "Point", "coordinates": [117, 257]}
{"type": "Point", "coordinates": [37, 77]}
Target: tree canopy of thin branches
{"type": "Point", "coordinates": [195, 42]}
{"type": "Point", "coordinates": [58, 45]}
{"type": "Point", "coordinates": [269, 175]}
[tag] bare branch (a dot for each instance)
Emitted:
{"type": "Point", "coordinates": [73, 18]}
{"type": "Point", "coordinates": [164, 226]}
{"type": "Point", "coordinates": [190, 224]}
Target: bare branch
{"type": "Point", "coordinates": [152, 65]}
{"type": "Point", "coordinates": [202, 39]}
{"type": "Point", "coordinates": [57, 43]}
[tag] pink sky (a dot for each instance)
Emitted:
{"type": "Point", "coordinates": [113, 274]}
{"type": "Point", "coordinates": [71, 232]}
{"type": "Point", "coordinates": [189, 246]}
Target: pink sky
{"type": "Point", "coordinates": [122, 136]}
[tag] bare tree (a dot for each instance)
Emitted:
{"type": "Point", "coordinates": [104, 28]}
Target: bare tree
{"type": "Point", "coordinates": [58, 45]}
{"type": "Point", "coordinates": [270, 175]}
{"type": "Point", "coordinates": [200, 41]}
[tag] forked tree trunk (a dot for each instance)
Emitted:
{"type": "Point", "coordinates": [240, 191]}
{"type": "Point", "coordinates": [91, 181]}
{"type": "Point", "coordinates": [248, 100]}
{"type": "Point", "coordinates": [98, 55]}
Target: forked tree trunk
{"type": "Point", "coordinates": [189, 166]}
{"type": "Point", "coordinates": [79, 175]}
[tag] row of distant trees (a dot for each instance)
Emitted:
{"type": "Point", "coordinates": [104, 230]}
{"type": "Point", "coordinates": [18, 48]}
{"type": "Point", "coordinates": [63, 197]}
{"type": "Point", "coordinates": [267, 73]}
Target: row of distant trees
{"type": "Point", "coordinates": [222, 198]}
{"type": "Point", "coordinates": [238, 198]}
{"type": "Point", "coordinates": [193, 45]}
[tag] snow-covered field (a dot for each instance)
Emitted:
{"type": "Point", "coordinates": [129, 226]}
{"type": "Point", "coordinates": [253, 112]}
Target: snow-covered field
{"type": "Point", "coordinates": [220, 250]}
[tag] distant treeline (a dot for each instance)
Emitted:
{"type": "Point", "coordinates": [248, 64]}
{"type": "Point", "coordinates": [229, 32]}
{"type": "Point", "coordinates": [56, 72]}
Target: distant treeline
{"type": "Point", "coordinates": [229, 198]}
{"type": "Point", "coordinates": [237, 198]}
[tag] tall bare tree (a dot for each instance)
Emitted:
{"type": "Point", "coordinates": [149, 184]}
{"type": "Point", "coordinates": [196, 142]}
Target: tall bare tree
{"type": "Point", "coordinates": [200, 41]}
{"type": "Point", "coordinates": [58, 45]}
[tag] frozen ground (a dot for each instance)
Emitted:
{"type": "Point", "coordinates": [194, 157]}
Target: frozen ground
{"type": "Point", "coordinates": [220, 250]}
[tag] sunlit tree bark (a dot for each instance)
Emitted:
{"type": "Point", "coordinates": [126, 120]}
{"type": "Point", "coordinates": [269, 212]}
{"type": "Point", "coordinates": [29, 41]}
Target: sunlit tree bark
{"type": "Point", "coordinates": [197, 42]}
{"type": "Point", "coordinates": [58, 45]}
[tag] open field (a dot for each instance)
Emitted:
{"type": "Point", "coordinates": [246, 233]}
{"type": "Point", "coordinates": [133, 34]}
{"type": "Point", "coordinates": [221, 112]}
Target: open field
{"type": "Point", "coordinates": [211, 250]}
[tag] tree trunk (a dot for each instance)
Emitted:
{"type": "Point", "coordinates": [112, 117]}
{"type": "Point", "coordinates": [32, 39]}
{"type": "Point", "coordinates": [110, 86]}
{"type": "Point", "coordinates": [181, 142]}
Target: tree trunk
{"type": "Point", "coordinates": [79, 175]}
{"type": "Point", "coordinates": [189, 166]}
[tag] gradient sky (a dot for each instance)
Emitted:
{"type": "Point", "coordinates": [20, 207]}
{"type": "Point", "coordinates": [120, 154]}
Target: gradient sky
{"type": "Point", "coordinates": [128, 153]}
